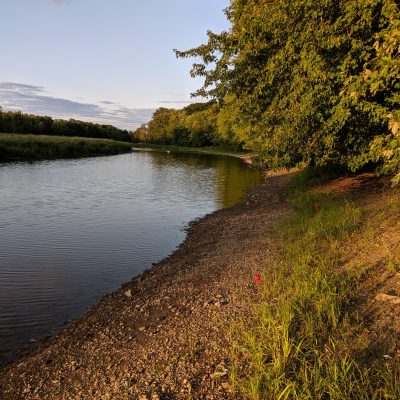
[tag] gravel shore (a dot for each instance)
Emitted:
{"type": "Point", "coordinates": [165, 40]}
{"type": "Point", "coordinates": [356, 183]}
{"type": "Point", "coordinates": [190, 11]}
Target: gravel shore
{"type": "Point", "coordinates": [165, 334]}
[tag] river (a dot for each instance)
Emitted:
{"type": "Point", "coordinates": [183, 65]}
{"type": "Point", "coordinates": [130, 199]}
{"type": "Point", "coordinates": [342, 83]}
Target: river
{"type": "Point", "coordinates": [73, 230]}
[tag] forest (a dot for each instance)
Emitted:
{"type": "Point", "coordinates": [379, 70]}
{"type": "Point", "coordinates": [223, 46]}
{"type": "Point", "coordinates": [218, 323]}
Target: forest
{"type": "Point", "coordinates": [305, 81]}
{"type": "Point", "coordinates": [196, 125]}
{"type": "Point", "coordinates": [18, 122]}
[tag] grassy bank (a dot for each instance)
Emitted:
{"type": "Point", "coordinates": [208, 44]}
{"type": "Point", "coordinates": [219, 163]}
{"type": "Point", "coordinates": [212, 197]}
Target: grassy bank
{"type": "Point", "coordinates": [185, 149]}
{"type": "Point", "coordinates": [306, 338]}
{"type": "Point", "coordinates": [14, 146]}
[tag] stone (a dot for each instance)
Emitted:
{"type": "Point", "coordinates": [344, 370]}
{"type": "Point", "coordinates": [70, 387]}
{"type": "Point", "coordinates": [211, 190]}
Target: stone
{"type": "Point", "coordinates": [219, 374]}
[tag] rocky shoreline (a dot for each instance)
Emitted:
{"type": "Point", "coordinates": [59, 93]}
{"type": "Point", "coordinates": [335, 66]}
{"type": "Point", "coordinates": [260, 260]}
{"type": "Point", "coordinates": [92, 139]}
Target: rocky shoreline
{"type": "Point", "coordinates": [165, 334]}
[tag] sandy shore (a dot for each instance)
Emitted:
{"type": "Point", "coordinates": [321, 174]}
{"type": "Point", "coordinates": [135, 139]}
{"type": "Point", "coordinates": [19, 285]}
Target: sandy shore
{"type": "Point", "coordinates": [164, 335]}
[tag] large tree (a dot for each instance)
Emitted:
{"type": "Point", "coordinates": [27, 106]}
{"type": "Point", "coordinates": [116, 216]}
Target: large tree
{"type": "Point", "coordinates": [312, 80]}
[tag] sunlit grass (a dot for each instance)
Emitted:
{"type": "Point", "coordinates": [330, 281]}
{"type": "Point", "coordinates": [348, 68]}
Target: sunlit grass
{"type": "Point", "coordinates": [299, 341]}
{"type": "Point", "coordinates": [14, 146]}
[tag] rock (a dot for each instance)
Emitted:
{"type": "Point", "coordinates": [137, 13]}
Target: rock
{"type": "Point", "coordinates": [128, 293]}
{"type": "Point", "coordinates": [142, 328]}
{"type": "Point", "coordinates": [388, 298]}
{"type": "Point", "coordinates": [209, 302]}
{"type": "Point", "coordinates": [219, 374]}
{"type": "Point", "coordinates": [226, 386]}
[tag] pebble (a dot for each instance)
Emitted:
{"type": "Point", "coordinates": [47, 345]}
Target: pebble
{"type": "Point", "coordinates": [226, 386]}
{"type": "Point", "coordinates": [219, 374]}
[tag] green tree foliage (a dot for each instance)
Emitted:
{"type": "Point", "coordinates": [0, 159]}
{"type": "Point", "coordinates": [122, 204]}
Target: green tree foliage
{"type": "Point", "coordinates": [161, 127]}
{"type": "Point", "coordinates": [313, 81]}
{"type": "Point", "coordinates": [196, 125]}
{"type": "Point", "coordinates": [17, 122]}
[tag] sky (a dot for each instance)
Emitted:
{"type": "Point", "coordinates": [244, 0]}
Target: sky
{"type": "Point", "coordinates": [106, 61]}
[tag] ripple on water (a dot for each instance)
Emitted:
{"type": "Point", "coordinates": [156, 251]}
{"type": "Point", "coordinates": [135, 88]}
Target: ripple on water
{"type": "Point", "coordinates": [72, 230]}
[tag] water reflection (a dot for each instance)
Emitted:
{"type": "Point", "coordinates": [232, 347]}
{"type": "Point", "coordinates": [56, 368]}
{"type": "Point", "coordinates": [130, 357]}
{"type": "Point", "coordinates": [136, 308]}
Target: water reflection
{"type": "Point", "coordinates": [72, 230]}
{"type": "Point", "coordinates": [232, 178]}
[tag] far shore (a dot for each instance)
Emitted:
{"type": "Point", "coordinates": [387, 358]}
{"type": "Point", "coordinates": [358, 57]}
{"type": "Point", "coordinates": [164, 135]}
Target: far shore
{"type": "Point", "coordinates": [246, 156]}
{"type": "Point", "coordinates": [19, 147]}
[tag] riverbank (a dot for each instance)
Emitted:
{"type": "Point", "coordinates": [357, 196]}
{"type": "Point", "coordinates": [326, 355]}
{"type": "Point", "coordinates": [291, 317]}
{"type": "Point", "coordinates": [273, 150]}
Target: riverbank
{"type": "Point", "coordinates": [24, 146]}
{"type": "Point", "coordinates": [216, 150]}
{"type": "Point", "coordinates": [170, 333]}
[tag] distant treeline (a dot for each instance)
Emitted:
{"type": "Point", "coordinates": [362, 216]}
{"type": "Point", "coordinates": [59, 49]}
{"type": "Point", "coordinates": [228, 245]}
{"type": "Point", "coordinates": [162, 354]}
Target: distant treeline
{"type": "Point", "coordinates": [197, 125]}
{"type": "Point", "coordinates": [18, 122]}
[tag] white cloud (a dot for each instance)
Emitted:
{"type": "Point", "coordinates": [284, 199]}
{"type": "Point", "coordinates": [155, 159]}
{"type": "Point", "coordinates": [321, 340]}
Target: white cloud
{"type": "Point", "coordinates": [33, 99]}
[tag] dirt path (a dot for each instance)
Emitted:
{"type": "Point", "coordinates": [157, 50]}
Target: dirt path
{"type": "Point", "coordinates": [165, 334]}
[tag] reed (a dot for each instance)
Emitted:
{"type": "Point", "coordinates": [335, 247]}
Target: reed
{"type": "Point", "coordinates": [15, 146]}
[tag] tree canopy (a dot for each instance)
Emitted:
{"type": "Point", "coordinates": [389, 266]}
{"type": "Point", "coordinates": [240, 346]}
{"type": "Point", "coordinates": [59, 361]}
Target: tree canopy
{"type": "Point", "coordinates": [198, 124]}
{"type": "Point", "coordinates": [308, 81]}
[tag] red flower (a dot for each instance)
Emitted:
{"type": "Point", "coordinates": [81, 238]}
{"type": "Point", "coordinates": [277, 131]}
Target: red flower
{"type": "Point", "coordinates": [316, 207]}
{"type": "Point", "coordinates": [257, 278]}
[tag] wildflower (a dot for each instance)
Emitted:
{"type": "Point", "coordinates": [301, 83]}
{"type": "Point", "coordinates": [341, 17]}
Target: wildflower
{"type": "Point", "coordinates": [257, 278]}
{"type": "Point", "coordinates": [316, 207]}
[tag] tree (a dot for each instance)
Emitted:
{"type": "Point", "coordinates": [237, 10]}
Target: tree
{"type": "Point", "coordinates": [313, 81]}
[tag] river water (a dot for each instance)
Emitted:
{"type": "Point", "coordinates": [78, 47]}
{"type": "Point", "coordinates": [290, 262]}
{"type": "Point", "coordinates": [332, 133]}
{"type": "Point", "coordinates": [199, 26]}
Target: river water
{"type": "Point", "coordinates": [73, 230]}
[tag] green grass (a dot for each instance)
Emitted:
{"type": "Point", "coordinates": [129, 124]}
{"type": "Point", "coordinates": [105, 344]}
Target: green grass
{"type": "Point", "coordinates": [14, 146]}
{"type": "Point", "coordinates": [300, 340]}
{"type": "Point", "coordinates": [185, 149]}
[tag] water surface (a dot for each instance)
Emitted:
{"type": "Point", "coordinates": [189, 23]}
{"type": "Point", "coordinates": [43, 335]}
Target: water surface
{"type": "Point", "coordinates": [73, 230]}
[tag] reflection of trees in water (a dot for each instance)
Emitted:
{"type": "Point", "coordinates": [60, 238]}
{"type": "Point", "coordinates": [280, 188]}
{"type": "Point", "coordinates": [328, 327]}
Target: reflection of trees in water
{"type": "Point", "coordinates": [187, 160]}
{"type": "Point", "coordinates": [237, 179]}
{"type": "Point", "coordinates": [232, 177]}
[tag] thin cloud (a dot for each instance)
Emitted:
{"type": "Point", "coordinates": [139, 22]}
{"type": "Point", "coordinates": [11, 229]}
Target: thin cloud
{"type": "Point", "coordinates": [34, 100]}
{"type": "Point", "coordinates": [175, 102]}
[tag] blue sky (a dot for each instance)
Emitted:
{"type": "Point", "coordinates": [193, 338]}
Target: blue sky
{"type": "Point", "coordinates": [101, 60]}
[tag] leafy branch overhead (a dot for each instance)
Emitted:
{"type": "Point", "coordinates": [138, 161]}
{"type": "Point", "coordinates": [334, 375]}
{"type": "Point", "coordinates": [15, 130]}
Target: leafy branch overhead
{"type": "Point", "coordinates": [311, 81]}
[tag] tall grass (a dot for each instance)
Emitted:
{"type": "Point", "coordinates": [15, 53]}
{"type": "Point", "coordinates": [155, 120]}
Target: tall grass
{"type": "Point", "coordinates": [300, 340]}
{"type": "Point", "coordinates": [15, 146]}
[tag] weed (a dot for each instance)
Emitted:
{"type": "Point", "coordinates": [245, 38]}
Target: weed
{"type": "Point", "coordinates": [297, 344]}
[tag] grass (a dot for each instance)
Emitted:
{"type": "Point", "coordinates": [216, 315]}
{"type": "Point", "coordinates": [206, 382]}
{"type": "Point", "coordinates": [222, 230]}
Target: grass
{"type": "Point", "coordinates": [14, 146]}
{"type": "Point", "coordinates": [300, 340]}
{"type": "Point", "coordinates": [185, 149]}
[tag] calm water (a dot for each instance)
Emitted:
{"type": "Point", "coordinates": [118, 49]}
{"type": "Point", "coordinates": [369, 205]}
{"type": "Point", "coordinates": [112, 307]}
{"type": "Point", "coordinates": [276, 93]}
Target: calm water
{"type": "Point", "coordinates": [72, 230]}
